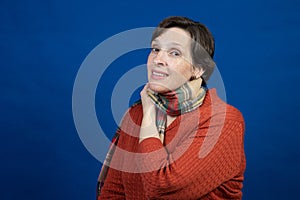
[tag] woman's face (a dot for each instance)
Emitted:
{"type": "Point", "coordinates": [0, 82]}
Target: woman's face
{"type": "Point", "coordinates": [170, 62]}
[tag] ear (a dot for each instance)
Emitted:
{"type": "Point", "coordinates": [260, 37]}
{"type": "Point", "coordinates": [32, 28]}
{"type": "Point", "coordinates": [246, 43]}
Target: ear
{"type": "Point", "coordinates": [198, 72]}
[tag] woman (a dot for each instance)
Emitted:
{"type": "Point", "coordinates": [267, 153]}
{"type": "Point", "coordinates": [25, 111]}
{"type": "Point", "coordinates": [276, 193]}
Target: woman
{"type": "Point", "coordinates": [184, 141]}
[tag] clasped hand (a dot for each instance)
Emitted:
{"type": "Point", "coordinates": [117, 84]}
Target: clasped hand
{"type": "Point", "coordinates": [148, 125]}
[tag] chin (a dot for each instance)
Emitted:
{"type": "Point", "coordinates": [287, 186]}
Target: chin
{"type": "Point", "coordinates": [158, 88]}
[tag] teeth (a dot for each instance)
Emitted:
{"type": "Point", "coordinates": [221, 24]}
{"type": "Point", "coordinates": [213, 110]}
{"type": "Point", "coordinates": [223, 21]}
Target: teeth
{"type": "Point", "coordinates": [159, 74]}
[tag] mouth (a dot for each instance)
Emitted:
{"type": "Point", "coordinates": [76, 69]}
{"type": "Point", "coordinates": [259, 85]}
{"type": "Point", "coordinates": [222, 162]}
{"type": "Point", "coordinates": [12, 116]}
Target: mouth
{"type": "Point", "coordinates": [157, 75]}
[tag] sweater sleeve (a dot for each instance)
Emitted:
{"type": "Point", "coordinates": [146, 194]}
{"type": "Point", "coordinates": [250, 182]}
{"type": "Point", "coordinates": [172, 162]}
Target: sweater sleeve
{"type": "Point", "coordinates": [113, 185]}
{"type": "Point", "coordinates": [185, 170]}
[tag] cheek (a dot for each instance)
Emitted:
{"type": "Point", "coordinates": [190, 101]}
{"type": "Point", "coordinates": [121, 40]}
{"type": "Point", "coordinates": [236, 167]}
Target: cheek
{"type": "Point", "coordinates": [150, 58]}
{"type": "Point", "coordinates": [184, 70]}
{"type": "Point", "coordinates": [187, 73]}
{"type": "Point", "coordinates": [149, 61]}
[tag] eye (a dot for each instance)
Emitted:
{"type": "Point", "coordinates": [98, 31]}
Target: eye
{"type": "Point", "coordinates": [155, 50]}
{"type": "Point", "coordinates": [175, 53]}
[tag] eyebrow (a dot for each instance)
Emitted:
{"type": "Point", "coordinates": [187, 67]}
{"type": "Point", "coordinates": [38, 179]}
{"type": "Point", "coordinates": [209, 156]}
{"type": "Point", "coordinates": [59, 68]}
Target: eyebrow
{"type": "Point", "coordinates": [170, 43]}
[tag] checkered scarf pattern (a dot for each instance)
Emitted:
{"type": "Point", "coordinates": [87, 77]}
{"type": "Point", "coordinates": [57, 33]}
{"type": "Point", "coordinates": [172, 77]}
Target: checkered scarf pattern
{"type": "Point", "coordinates": [176, 102]}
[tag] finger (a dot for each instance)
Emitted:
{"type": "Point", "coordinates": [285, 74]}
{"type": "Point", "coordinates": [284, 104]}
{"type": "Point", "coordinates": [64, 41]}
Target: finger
{"type": "Point", "coordinates": [144, 90]}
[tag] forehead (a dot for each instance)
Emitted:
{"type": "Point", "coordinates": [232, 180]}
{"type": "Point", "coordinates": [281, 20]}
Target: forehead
{"type": "Point", "coordinates": [174, 35]}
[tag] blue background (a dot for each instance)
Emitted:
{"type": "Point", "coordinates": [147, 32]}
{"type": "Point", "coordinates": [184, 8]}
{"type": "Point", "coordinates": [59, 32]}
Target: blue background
{"type": "Point", "coordinates": [43, 44]}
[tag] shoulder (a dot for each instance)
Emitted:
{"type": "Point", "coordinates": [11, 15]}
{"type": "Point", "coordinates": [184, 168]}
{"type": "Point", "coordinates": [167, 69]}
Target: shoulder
{"type": "Point", "coordinates": [132, 117]}
{"type": "Point", "coordinates": [135, 109]}
{"type": "Point", "coordinates": [214, 107]}
{"type": "Point", "coordinates": [222, 121]}
{"type": "Point", "coordinates": [234, 114]}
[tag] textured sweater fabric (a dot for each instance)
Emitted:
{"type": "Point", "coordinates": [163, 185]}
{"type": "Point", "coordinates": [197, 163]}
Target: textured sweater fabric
{"type": "Point", "coordinates": [202, 156]}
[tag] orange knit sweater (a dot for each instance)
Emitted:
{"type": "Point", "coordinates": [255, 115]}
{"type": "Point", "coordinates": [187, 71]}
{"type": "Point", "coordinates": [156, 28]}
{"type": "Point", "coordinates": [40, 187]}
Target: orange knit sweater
{"type": "Point", "coordinates": [202, 156]}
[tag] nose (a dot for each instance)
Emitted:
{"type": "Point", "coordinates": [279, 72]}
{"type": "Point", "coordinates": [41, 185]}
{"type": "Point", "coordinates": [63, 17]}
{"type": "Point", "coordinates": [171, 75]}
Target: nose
{"type": "Point", "coordinates": [159, 58]}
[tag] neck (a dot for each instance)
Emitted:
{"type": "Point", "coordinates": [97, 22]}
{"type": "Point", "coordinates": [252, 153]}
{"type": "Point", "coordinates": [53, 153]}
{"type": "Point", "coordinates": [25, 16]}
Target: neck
{"type": "Point", "coordinates": [170, 119]}
{"type": "Point", "coordinates": [195, 85]}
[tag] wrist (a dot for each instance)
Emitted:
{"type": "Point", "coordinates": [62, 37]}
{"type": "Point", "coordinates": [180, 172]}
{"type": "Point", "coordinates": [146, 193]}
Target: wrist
{"type": "Point", "coordinates": [148, 129]}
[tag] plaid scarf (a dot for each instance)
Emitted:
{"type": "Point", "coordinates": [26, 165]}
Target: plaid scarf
{"type": "Point", "coordinates": [186, 98]}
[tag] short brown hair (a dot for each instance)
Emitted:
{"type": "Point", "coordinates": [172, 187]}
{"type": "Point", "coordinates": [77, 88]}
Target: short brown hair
{"type": "Point", "coordinates": [200, 34]}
